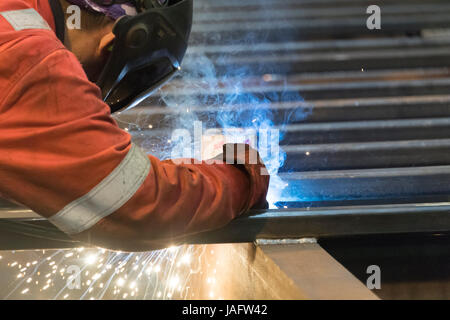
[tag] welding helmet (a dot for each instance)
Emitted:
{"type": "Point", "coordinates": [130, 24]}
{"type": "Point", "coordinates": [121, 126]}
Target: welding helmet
{"type": "Point", "coordinates": [147, 50]}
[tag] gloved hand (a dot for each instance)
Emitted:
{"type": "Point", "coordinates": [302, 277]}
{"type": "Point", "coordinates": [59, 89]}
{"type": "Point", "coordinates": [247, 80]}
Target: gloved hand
{"type": "Point", "coordinates": [247, 159]}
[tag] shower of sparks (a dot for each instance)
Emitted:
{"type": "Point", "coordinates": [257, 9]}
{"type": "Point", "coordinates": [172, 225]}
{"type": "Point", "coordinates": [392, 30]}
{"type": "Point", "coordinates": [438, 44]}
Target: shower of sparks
{"type": "Point", "coordinates": [101, 274]}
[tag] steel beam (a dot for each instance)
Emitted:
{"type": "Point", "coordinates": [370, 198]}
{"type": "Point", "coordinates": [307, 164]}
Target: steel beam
{"type": "Point", "coordinates": [317, 274]}
{"type": "Point", "coordinates": [294, 271]}
{"type": "Point", "coordinates": [318, 46]}
{"type": "Point", "coordinates": [365, 131]}
{"type": "Point", "coordinates": [37, 233]}
{"type": "Point", "coordinates": [367, 155]}
{"type": "Point", "coordinates": [385, 183]}
{"type": "Point", "coordinates": [311, 19]}
{"type": "Point", "coordinates": [401, 107]}
{"type": "Point", "coordinates": [255, 63]}
{"type": "Point", "coordinates": [280, 93]}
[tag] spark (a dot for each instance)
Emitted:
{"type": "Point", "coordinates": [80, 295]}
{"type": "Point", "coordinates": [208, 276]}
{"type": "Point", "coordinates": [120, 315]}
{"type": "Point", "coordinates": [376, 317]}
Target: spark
{"type": "Point", "coordinates": [174, 281]}
{"type": "Point", "coordinates": [120, 282]}
{"type": "Point", "coordinates": [136, 275]}
{"type": "Point", "coordinates": [185, 259]}
{"type": "Point", "coordinates": [90, 259]}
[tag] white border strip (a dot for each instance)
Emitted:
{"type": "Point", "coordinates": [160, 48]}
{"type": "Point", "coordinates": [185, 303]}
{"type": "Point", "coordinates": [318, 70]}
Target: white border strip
{"type": "Point", "coordinates": [108, 196]}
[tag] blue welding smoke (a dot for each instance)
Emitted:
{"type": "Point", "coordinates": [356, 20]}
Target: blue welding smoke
{"type": "Point", "coordinates": [237, 97]}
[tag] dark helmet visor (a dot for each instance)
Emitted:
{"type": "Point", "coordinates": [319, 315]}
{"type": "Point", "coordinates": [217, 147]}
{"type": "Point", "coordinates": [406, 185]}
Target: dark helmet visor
{"type": "Point", "coordinates": [148, 50]}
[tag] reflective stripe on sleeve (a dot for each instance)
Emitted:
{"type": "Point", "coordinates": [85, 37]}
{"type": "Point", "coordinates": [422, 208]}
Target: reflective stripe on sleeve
{"type": "Point", "coordinates": [108, 196]}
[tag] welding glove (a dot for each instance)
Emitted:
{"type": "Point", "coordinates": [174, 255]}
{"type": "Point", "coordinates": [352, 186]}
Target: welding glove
{"type": "Point", "coordinates": [248, 160]}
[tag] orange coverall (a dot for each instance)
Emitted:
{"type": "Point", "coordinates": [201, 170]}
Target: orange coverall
{"type": "Point", "coordinates": [63, 155]}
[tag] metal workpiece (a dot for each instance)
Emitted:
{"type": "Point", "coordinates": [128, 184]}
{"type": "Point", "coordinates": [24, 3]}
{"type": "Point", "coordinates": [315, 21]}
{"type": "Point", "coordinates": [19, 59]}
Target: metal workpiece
{"type": "Point", "coordinates": [291, 62]}
{"type": "Point", "coordinates": [295, 92]}
{"type": "Point", "coordinates": [33, 232]}
{"type": "Point", "coordinates": [369, 155]}
{"type": "Point", "coordinates": [315, 272]}
{"type": "Point", "coordinates": [312, 19]}
{"type": "Point", "coordinates": [401, 107]}
{"type": "Point", "coordinates": [334, 222]}
{"type": "Point", "coordinates": [284, 241]}
{"type": "Point", "coordinates": [387, 183]}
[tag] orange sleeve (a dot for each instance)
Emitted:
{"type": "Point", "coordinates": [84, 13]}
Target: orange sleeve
{"type": "Point", "coordinates": [58, 141]}
{"type": "Point", "coordinates": [175, 200]}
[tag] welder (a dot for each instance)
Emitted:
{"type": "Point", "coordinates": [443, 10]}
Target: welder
{"type": "Point", "coordinates": [64, 156]}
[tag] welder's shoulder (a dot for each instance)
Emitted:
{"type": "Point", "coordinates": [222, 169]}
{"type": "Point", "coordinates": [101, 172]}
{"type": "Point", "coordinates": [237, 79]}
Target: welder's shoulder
{"type": "Point", "coordinates": [32, 55]}
{"type": "Point", "coordinates": [26, 49]}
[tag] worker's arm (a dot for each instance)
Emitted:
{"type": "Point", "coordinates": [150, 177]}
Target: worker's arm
{"type": "Point", "coordinates": [63, 156]}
